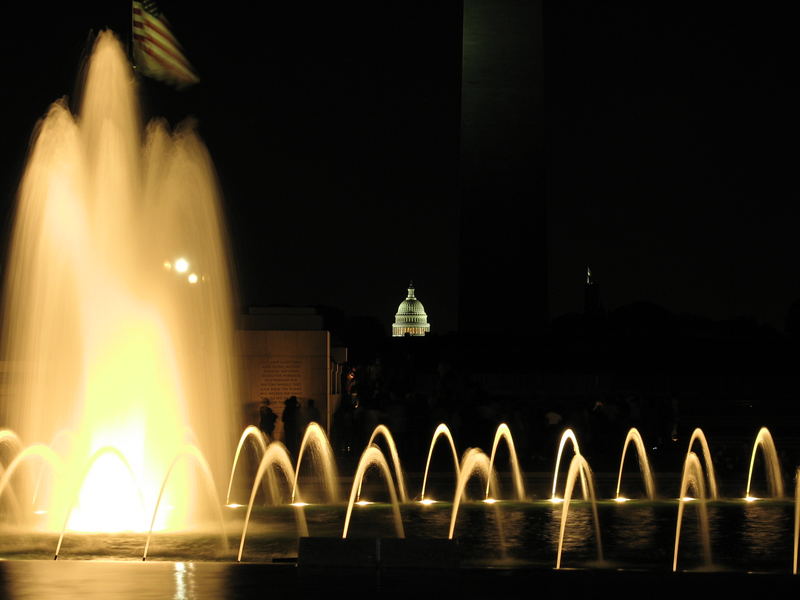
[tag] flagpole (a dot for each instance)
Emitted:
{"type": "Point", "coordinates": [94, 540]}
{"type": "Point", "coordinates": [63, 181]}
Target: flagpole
{"type": "Point", "coordinates": [130, 43]}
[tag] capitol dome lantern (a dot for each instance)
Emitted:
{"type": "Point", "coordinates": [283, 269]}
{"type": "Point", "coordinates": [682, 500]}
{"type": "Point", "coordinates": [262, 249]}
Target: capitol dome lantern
{"type": "Point", "coordinates": [410, 318]}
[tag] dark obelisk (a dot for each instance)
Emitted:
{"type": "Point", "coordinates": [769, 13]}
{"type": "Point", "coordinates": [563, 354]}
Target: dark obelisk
{"type": "Point", "coordinates": [503, 261]}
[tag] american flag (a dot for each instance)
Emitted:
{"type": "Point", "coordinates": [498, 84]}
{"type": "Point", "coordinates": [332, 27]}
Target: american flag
{"type": "Point", "coordinates": [156, 52]}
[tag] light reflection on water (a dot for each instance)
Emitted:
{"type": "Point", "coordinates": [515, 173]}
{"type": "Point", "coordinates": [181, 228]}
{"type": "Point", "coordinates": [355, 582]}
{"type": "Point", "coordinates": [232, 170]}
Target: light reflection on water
{"type": "Point", "coordinates": [637, 538]}
{"type": "Point", "coordinates": [766, 533]}
{"type": "Point", "coordinates": [181, 580]}
{"type": "Point", "coordinates": [88, 580]}
{"type": "Point", "coordinates": [638, 534]}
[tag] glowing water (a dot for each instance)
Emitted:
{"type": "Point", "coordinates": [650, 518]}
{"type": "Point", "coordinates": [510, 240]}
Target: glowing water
{"type": "Point", "coordinates": [773, 466]}
{"type": "Point", "coordinates": [383, 431]}
{"type": "Point", "coordinates": [276, 457]}
{"type": "Point", "coordinates": [134, 489]}
{"type": "Point", "coordinates": [578, 466]}
{"type": "Point", "coordinates": [279, 478]}
{"type": "Point", "coordinates": [105, 340]}
{"type": "Point", "coordinates": [251, 432]}
{"type": "Point", "coordinates": [45, 454]}
{"type": "Point", "coordinates": [504, 433]}
{"type": "Point", "coordinates": [699, 436]}
{"type": "Point", "coordinates": [567, 436]}
{"type": "Point", "coordinates": [692, 479]}
{"type": "Point", "coordinates": [373, 457]}
{"type": "Point", "coordinates": [10, 439]}
{"type": "Point", "coordinates": [474, 462]}
{"type": "Point", "coordinates": [322, 454]}
{"type": "Point", "coordinates": [644, 464]}
{"type": "Point", "coordinates": [441, 431]}
{"type": "Point", "coordinates": [191, 453]}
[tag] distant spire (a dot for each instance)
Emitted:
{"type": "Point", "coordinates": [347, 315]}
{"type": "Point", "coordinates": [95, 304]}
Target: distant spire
{"type": "Point", "coordinates": [591, 298]}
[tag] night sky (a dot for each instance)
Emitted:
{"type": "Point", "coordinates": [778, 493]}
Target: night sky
{"type": "Point", "coordinates": [335, 128]}
{"type": "Point", "coordinates": [672, 157]}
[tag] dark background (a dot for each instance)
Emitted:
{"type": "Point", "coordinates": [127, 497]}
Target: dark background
{"type": "Point", "coordinates": [335, 131]}
{"type": "Point", "coordinates": [671, 156]}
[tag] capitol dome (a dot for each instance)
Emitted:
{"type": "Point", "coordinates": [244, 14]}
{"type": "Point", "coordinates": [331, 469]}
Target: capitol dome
{"type": "Point", "coordinates": [410, 318]}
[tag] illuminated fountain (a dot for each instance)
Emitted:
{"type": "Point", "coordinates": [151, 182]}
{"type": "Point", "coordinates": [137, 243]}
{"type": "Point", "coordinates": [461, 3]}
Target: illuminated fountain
{"type": "Point", "coordinates": [695, 481]}
{"type": "Point", "coordinates": [275, 460]}
{"type": "Point", "coordinates": [576, 524]}
{"type": "Point", "coordinates": [122, 406]}
{"type": "Point", "coordinates": [475, 462]}
{"type": "Point", "coordinates": [316, 443]}
{"type": "Point", "coordinates": [567, 436]}
{"type": "Point", "coordinates": [383, 432]}
{"type": "Point", "coordinates": [118, 319]}
{"type": "Point", "coordinates": [259, 441]}
{"type": "Point", "coordinates": [118, 335]}
{"type": "Point", "coordinates": [773, 467]}
{"type": "Point", "coordinates": [442, 430]}
{"type": "Point", "coordinates": [692, 481]}
{"type": "Point", "coordinates": [373, 457]}
{"type": "Point", "coordinates": [699, 436]}
{"type": "Point", "coordinates": [635, 438]}
{"type": "Point", "coordinates": [503, 433]}
{"type": "Point", "coordinates": [578, 466]}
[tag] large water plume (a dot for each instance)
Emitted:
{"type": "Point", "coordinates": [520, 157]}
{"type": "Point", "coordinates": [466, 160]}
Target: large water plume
{"type": "Point", "coordinates": [118, 323]}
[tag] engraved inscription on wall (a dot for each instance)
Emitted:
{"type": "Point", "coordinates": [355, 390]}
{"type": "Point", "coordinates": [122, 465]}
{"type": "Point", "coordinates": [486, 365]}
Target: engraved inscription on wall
{"type": "Point", "coordinates": [280, 377]}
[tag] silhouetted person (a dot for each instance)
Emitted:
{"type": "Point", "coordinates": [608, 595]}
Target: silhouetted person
{"type": "Point", "coordinates": [291, 431]}
{"type": "Point", "coordinates": [343, 427]}
{"type": "Point", "coordinates": [267, 418]}
{"type": "Point", "coordinates": [312, 413]}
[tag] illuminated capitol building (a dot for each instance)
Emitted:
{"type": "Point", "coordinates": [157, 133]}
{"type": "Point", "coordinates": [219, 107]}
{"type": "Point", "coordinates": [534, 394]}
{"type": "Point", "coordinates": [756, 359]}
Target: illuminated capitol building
{"type": "Point", "coordinates": [410, 318]}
